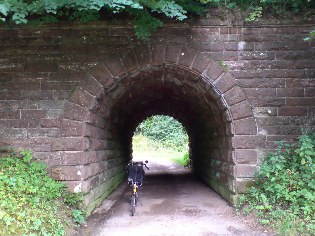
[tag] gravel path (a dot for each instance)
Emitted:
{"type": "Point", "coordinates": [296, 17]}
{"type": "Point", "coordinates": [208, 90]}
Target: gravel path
{"type": "Point", "coordinates": [174, 203]}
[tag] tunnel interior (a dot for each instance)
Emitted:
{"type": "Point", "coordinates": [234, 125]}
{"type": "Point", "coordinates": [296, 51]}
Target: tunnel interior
{"type": "Point", "coordinates": [176, 92]}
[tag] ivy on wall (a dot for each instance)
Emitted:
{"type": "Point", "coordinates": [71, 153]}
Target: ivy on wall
{"type": "Point", "coordinates": [145, 14]}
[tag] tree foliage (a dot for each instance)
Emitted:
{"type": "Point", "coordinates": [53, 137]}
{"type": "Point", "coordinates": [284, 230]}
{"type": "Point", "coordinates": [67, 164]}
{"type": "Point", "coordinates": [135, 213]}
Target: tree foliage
{"type": "Point", "coordinates": [144, 13]}
{"type": "Point", "coordinates": [164, 130]}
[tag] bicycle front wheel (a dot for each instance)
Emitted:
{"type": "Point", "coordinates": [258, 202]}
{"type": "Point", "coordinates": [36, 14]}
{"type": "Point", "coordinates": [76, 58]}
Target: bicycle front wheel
{"type": "Point", "coordinates": [133, 205]}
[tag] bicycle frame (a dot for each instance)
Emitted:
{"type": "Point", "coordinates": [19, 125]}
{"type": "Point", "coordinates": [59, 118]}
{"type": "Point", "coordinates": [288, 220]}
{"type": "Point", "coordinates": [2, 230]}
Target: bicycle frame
{"type": "Point", "coordinates": [133, 181]}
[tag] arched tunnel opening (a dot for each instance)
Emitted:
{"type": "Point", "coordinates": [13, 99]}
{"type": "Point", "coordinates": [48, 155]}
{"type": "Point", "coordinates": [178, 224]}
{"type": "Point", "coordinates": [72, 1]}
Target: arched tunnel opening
{"type": "Point", "coordinates": [211, 112]}
{"type": "Point", "coordinates": [190, 100]}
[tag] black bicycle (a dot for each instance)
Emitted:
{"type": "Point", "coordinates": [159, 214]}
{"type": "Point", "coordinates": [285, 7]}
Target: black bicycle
{"type": "Point", "coordinates": [135, 179]}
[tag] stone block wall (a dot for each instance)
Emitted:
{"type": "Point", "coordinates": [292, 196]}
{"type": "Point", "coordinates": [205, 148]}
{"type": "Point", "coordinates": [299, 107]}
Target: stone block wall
{"type": "Point", "coordinates": [75, 93]}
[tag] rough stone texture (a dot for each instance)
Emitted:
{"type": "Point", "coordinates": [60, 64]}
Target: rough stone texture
{"type": "Point", "coordinates": [75, 94]}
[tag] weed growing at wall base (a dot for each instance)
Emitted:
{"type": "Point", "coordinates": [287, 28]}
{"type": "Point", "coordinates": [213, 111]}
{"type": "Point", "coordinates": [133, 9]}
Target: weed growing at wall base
{"type": "Point", "coordinates": [32, 203]}
{"type": "Point", "coordinates": [284, 192]}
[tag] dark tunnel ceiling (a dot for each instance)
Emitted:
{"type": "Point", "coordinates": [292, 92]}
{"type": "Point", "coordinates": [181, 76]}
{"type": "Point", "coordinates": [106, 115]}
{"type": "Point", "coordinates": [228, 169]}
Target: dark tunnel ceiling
{"type": "Point", "coordinates": [180, 95]}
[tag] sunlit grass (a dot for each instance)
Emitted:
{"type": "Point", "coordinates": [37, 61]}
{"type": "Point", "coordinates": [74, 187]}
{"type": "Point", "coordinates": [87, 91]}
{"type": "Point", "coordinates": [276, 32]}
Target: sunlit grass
{"type": "Point", "coordinates": [144, 148]}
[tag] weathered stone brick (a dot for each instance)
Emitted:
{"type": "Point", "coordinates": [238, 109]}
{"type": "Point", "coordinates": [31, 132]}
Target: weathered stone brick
{"type": "Point", "coordinates": [201, 62]}
{"type": "Point", "coordinates": [309, 92]}
{"type": "Point", "coordinates": [301, 101]}
{"type": "Point", "coordinates": [250, 79]}
{"type": "Point", "coordinates": [94, 132]}
{"type": "Point", "coordinates": [67, 172]}
{"type": "Point", "coordinates": [70, 128]}
{"type": "Point", "coordinates": [225, 82]}
{"type": "Point", "coordinates": [43, 132]}
{"type": "Point", "coordinates": [52, 85]}
{"type": "Point", "coordinates": [217, 46]}
{"type": "Point", "coordinates": [245, 171]}
{"type": "Point", "coordinates": [114, 64]}
{"type": "Point", "coordinates": [30, 95]}
{"type": "Point", "coordinates": [96, 120]}
{"type": "Point", "coordinates": [172, 53]}
{"type": "Point", "coordinates": [282, 130]}
{"type": "Point", "coordinates": [82, 98]}
{"type": "Point", "coordinates": [292, 111]}
{"type": "Point", "coordinates": [300, 83]}
{"type": "Point", "coordinates": [268, 102]}
{"type": "Point", "coordinates": [187, 56]}
{"type": "Point", "coordinates": [101, 74]}
{"type": "Point", "coordinates": [213, 71]}
{"type": "Point", "coordinates": [143, 54]}
{"type": "Point", "coordinates": [33, 114]}
{"type": "Point", "coordinates": [50, 123]}
{"type": "Point", "coordinates": [9, 114]}
{"type": "Point", "coordinates": [98, 144]}
{"type": "Point", "coordinates": [35, 64]}
{"type": "Point", "coordinates": [280, 120]}
{"type": "Point", "coordinates": [260, 92]}
{"type": "Point", "coordinates": [249, 141]}
{"type": "Point", "coordinates": [242, 185]}
{"type": "Point", "coordinates": [234, 96]}
{"type": "Point", "coordinates": [91, 85]}
{"type": "Point", "coordinates": [158, 52]}
{"type": "Point", "coordinates": [73, 111]}
{"type": "Point", "coordinates": [128, 59]}
{"type": "Point", "coordinates": [241, 110]}
{"type": "Point", "coordinates": [70, 144]}
{"type": "Point", "coordinates": [13, 133]}
{"type": "Point", "coordinates": [290, 92]}
{"type": "Point", "coordinates": [246, 156]}
{"type": "Point", "coordinates": [245, 126]}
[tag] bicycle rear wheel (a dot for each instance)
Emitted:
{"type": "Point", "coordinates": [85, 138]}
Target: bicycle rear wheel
{"type": "Point", "coordinates": [133, 204]}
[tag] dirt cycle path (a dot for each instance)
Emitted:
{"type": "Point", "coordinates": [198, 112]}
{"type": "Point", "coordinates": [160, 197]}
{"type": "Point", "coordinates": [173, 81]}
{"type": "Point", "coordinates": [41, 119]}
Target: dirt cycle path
{"type": "Point", "coordinates": [173, 203]}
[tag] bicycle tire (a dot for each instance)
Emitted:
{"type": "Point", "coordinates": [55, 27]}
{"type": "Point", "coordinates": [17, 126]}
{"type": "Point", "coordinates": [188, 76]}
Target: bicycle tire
{"type": "Point", "coordinates": [133, 205]}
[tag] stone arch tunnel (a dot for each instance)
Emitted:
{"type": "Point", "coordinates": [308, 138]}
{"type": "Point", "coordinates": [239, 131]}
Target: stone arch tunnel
{"type": "Point", "coordinates": [75, 95]}
{"type": "Point", "coordinates": [193, 89]}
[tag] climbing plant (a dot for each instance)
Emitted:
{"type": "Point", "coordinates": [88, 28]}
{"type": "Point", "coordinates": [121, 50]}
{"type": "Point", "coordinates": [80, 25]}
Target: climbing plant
{"type": "Point", "coordinates": [145, 14]}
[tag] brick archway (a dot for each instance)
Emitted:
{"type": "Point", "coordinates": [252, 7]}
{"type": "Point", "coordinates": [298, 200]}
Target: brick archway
{"type": "Point", "coordinates": [94, 149]}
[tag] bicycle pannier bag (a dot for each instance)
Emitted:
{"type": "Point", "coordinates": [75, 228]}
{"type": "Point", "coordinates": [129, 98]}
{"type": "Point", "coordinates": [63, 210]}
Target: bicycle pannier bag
{"type": "Point", "coordinates": [136, 173]}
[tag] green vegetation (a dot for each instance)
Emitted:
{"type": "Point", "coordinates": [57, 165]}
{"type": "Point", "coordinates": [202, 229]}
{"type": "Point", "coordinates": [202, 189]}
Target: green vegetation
{"type": "Point", "coordinates": [161, 137]}
{"type": "Point", "coordinates": [165, 130]}
{"type": "Point", "coordinates": [31, 203]}
{"type": "Point", "coordinates": [146, 14]}
{"type": "Point", "coordinates": [284, 192]}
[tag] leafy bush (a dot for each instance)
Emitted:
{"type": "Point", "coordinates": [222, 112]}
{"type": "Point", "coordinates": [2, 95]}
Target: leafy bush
{"type": "Point", "coordinates": [32, 203]}
{"type": "Point", "coordinates": [165, 130]}
{"type": "Point", "coordinates": [144, 13]}
{"type": "Point", "coordinates": [284, 191]}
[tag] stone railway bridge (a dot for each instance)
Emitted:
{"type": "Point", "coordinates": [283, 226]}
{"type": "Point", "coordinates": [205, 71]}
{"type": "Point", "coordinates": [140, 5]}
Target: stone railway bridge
{"type": "Point", "coordinates": [74, 94]}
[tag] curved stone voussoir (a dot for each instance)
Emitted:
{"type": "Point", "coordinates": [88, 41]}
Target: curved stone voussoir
{"type": "Point", "coordinates": [225, 82]}
{"type": "Point", "coordinates": [114, 64]}
{"type": "Point", "coordinates": [158, 51]}
{"type": "Point", "coordinates": [128, 58]}
{"type": "Point", "coordinates": [101, 73]}
{"type": "Point", "coordinates": [187, 56]}
{"type": "Point", "coordinates": [172, 53]}
{"type": "Point", "coordinates": [201, 62]}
